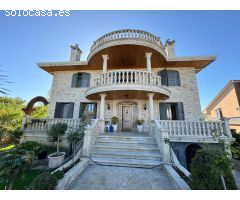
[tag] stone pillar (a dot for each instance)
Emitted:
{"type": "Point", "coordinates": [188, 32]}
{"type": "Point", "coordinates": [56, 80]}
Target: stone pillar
{"type": "Point", "coordinates": [148, 60]}
{"type": "Point", "coordinates": [165, 146]}
{"type": "Point", "coordinates": [151, 110]}
{"type": "Point", "coordinates": [105, 59]}
{"type": "Point", "coordinates": [102, 105]}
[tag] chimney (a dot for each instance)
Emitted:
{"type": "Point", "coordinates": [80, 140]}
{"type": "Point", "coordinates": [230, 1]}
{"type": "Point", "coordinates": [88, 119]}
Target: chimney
{"type": "Point", "coordinates": [169, 48]}
{"type": "Point", "coordinates": [75, 53]}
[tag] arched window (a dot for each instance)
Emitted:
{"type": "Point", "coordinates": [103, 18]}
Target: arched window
{"type": "Point", "coordinates": [170, 77]}
{"type": "Point", "coordinates": [81, 80]}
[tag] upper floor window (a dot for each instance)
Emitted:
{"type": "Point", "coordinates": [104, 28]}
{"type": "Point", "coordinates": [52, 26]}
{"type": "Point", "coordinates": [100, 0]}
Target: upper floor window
{"type": "Point", "coordinates": [170, 77]}
{"type": "Point", "coordinates": [81, 80]}
{"type": "Point", "coordinates": [64, 110]}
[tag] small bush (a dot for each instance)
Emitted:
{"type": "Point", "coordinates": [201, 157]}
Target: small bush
{"type": "Point", "coordinates": [114, 120]}
{"type": "Point", "coordinates": [31, 146]}
{"type": "Point", "coordinates": [58, 175]}
{"type": "Point", "coordinates": [206, 169]}
{"type": "Point", "coordinates": [44, 181]}
{"type": "Point", "coordinates": [139, 121]}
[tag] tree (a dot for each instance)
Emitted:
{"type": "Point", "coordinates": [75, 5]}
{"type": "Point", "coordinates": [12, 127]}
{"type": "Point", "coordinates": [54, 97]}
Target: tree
{"type": "Point", "coordinates": [3, 80]}
{"type": "Point", "coordinates": [207, 167]}
{"type": "Point", "coordinates": [40, 112]}
{"type": "Point", "coordinates": [55, 134]}
{"type": "Point", "coordinates": [78, 134]}
{"type": "Point", "coordinates": [11, 115]}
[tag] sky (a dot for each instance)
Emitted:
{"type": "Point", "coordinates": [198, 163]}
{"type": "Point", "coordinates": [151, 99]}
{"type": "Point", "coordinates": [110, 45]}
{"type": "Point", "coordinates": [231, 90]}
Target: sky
{"type": "Point", "coordinates": [25, 41]}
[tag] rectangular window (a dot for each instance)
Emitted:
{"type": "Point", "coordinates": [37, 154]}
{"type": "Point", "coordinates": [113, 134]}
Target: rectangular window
{"type": "Point", "coordinates": [64, 110]}
{"type": "Point", "coordinates": [171, 111]}
{"type": "Point", "coordinates": [88, 107]}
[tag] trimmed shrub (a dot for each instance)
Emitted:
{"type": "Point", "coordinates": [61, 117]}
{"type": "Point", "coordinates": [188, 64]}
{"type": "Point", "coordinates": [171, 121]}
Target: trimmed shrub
{"type": "Point", "coordinates": [44, 181]}
{"type": "Point", "coordinates": [206, 169]}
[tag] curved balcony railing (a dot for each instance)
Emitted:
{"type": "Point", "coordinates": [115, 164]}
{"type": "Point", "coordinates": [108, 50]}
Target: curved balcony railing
{"type": "Point", "coordinates": [126, 34]}
{"type": "Point", "coordinates": [128, 77]}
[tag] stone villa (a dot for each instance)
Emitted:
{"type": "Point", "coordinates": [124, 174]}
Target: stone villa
{"type": "Point", "coordinates": [131, 74]}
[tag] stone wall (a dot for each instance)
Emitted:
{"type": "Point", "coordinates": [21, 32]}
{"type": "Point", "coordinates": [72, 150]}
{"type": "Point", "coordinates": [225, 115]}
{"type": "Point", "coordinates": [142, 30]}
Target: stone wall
{"type": "Point", "coordinates": [187, 93]}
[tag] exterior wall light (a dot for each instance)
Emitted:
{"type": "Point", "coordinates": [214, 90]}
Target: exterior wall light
{"type": "Point", "coordinates": [145, 106]}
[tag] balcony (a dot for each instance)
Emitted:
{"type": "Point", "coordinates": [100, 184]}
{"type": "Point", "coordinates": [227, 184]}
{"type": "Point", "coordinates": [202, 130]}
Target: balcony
{"type": "Point", "coordinates": [127, 84]}
{"type": "Point", "coordinates": [127, 37]}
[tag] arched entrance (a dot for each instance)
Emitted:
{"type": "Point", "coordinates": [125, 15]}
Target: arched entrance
{"type": "Point", "coordinates": [29, 109]}
{"type": "Point", "coordinates": [190, 153]}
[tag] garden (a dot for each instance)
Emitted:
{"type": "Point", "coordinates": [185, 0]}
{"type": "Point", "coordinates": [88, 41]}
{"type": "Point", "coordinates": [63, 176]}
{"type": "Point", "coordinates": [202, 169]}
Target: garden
{"type": "Point", "coordinates": [31, 165]}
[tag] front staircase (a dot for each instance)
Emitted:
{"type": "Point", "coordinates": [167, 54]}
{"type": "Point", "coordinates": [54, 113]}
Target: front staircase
{"type": "Point", "coordinates": [129, 151]}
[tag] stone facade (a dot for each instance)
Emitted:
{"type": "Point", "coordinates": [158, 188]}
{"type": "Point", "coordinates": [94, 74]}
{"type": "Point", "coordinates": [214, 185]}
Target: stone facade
{"type": "Point", "coordinates": [187, 93]}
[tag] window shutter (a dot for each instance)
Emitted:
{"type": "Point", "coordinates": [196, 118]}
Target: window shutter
{"type": "Point", "coordinates": [164, 78]}
{"type": "Point", "coordinates": [58, 110]}
{"type": "Point", "coordinates": [180, 111]}
{"type": "Point", "coordinates": [74, 80]}
{"type": "Point", "coordinates": [70, 110]}
{"type": "Point", "coordinates": [81, 109]}
{"type": "Point", "coordinates": [164, 109]}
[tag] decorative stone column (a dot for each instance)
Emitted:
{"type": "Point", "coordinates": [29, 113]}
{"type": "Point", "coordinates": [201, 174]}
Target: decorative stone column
{"type": "Point", "coordinates": [148, 60]}
{"type": "Point", "coordinates": [102, 105]}
{"type": "Point", "coordinates": [105, 59]}
{"type": "Point", "coordinates": [151, 110]}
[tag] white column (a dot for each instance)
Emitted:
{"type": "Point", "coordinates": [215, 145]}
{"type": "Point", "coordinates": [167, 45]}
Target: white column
{"type": "Point", "coordinates": [151, 110]}
{"type": "Point", "coordinates": [148, 60]}
{"type": "Point", "coordinates": [105, 59]}
{"type": "Point", "coordinates": [102, 105]}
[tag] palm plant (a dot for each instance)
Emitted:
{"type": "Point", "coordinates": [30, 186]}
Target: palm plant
{"type": "Point", "coordinates": [3, 80]}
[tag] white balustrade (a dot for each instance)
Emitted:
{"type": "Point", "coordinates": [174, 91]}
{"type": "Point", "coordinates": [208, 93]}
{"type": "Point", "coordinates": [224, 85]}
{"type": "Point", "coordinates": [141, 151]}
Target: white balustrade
{"type": "Point", "coordinates": [194, 128]}
{"type": "Point", "coordinates": [126, 34]}
{"type": "Point", "coordinates": [127, 76]}
{"type": "Point", "coordinates": [43, 125]}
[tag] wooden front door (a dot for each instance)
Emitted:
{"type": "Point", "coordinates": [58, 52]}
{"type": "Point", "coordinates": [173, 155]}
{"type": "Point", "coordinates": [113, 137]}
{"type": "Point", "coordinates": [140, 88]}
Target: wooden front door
{"type": "Point", "coordinates": [127, 118]}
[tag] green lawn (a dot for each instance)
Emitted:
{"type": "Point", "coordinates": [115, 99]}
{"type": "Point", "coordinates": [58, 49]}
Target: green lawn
{"type": "Point", "coordinates": [24, 180]}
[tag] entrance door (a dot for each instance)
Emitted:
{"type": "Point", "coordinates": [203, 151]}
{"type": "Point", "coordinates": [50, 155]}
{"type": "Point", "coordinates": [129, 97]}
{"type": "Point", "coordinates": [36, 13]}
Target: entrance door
{"type": "Point", "coordinates": [127, 118]}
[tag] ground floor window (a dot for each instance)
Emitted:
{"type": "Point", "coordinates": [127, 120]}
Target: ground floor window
{"type": "Point", "coordinates": [171, 111]}
{"type": "Point", "coordinates": [88, 107]}
{"type": "Point", "coordinates": [64, 110]}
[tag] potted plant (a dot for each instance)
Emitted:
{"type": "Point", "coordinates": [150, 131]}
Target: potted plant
{"type": "Point", "coordinates": [114, 123]}
{"type": "Point", "coordinates": [139, 123]}
{"type": "Point", "coordinates": [55, 135]}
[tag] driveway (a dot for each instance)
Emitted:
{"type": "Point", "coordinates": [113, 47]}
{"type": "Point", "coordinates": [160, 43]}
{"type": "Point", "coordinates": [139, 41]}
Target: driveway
{"type": "Point", "coordinates": [98, 177]}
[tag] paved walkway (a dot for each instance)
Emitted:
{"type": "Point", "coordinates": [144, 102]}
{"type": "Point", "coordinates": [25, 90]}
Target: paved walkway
{"type": "Point", "coordinates": [97, 177]}
{"type": "Point", "coordinates": [237, 178]}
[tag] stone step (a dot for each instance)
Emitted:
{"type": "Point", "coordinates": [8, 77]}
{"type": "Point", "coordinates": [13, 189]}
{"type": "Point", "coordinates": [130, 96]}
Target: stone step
{"type": "Point", "coordinates": [129, 147]}
{"type": "Point", "coordinates": [127, 138]}
{"type": "Point", "coordinates": [126, 162]}
{"type": "Point", "coordinates": [127, 154]}
{"type": "Point", "coordinates": [120, 141]}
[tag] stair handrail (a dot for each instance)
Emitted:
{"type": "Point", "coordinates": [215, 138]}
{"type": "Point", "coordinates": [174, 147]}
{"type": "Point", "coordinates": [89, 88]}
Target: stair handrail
{"type": "Point", "coordinates": [162, 137]}
{"type": "Point", "coordinates": [90, 135]}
